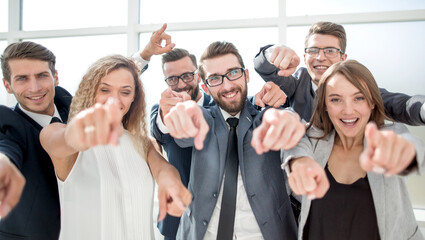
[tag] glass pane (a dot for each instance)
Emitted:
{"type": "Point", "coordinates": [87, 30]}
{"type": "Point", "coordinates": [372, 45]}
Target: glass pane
{"type": "Point", "coordinates": [75, 54]}
{"type": "Point", "coordinates": [4, 9]}
{"type": "Point", "coordinates": [310, 7]}
{"type": "Point", "coordinates": [60, 14]}
{"type": "Point", "coordinates": [196, 42]}
{"type": "Point", "coordinates": [195, 10]}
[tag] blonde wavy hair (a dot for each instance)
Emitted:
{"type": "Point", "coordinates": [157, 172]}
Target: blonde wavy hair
{"type": "Point", "coordinates": [134, 121]}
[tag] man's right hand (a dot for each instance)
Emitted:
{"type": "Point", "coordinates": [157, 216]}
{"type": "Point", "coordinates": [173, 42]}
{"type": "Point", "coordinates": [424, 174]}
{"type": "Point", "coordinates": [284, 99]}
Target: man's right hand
{"type": "Point", "coordinates": [285, 59]}
{"type": "Point", "coordinates": [11, 185]}
{"type": "Point", "coordinates": [154, 46]}
{"type": "Point", "coordinates": [169, 99]}
{"type": "Point", "coordinates": [186, 120]}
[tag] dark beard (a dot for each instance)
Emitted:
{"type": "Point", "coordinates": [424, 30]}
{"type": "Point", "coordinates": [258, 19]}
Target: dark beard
{"type": "Point", "coordinates": [233, 108]}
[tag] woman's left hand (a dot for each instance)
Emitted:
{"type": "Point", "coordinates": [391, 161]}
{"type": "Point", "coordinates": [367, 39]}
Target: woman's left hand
{"type": "Point", "coordinates": [386, 152]}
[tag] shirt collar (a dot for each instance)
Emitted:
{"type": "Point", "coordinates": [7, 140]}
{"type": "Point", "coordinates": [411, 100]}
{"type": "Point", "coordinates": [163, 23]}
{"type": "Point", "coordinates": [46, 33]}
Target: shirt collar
{"type": "Point", "coordinates": [42, 119]}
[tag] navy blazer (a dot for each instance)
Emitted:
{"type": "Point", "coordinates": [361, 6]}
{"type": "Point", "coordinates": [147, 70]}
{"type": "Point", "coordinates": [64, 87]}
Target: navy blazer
{"type": "Point", "coordinates": [299, 90]}
{"type": "Point", "coordinates": [263, 179]}
{"type": "Point", "coordinates": [179, 157]}
{"type": "Point", "coordinates": [37, 215]}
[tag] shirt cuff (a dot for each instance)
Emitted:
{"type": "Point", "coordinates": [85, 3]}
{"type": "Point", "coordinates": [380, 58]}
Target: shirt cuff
{"type": "Point", "coordinates": [160, 124]}
{"type": "Point", "coordinates": [423, 112]}
{"type": "Point", "coordinates": [143, 63]}
{"type": "Point", "coordinates": [268, 52]}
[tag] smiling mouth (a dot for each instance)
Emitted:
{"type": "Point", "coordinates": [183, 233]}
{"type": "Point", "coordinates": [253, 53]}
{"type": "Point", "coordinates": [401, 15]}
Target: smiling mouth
{"type": "Point", "coordinates": [230, 94]}
{"type": "Point", "coordinates": [35, 98]}
{"type": "Point", "coordinates": [321, 67]}
{"type": "Point", "coordinates": [349, 122]}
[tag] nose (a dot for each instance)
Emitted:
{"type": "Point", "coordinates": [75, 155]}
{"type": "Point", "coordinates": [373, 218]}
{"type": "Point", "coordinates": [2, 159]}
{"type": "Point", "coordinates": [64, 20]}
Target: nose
{"type": "Point", "coordinates": [34, 85]}
{"type": "Point", "coordinates": [181, 84]}
{"type": "Point", "coordinates": [321, 55]}
{"type": "Point", "coordinates": [227, 84]}
{"type": "Point", "coordinates": [348, 107]}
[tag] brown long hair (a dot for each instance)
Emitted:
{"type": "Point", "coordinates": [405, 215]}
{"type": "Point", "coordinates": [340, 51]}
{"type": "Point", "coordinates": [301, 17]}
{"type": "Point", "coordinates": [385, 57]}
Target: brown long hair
{"type": "Point", "coordinates": [134, 120]}
{"type": "Point", "coordinates": [358, 75]}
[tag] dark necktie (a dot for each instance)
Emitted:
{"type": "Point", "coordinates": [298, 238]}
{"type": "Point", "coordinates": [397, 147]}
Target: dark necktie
{"type": "Point", "coordinates": [228, 202]}
{"type": "Point", "coordinates": [55, 119]}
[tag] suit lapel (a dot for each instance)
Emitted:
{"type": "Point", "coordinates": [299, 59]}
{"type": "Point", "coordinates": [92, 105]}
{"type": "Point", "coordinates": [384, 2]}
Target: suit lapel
{"type": "Point", "coordinates": [222, 132]}
{"type": "Point", "coordinates": [377, 187]}
{"type": "Point", "coordinates": [28, 118]}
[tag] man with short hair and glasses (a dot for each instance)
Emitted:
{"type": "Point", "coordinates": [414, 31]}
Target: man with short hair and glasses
{"type": "Point", "coordinates": [325, 44]}
{"type": "Point", "coordinates": [182, 77]}
{"type": "Point", "coordinates": [237, 184]}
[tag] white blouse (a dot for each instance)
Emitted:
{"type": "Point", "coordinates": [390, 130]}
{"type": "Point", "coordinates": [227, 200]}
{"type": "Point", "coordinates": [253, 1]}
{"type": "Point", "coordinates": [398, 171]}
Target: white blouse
{"type": "Point", "coordinates": [108, 195]}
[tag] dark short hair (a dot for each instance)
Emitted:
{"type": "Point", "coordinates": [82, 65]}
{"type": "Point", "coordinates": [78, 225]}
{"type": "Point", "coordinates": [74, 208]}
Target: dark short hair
{"type": "Point", "coordinates": [217, 49]}
{"type": "Point", "coordinates": [26, 50]}
{"type": "Point", "coordinates": [328, 28]}
{"type": "Point", "coordinates": [177, 54]}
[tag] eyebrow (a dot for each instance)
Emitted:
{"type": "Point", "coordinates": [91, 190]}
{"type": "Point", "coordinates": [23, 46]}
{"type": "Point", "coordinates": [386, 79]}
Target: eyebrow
{"type": "Point", "coordinates": [228, 70]}
{"type": "Point", "coordinates": [126, 86]}
{"type": "Point", "coordinates": [37, 74]}
{"type": "Point", "coordinates": [337, 95]}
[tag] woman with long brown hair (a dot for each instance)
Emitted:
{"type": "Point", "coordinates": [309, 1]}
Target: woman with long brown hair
{"type": "Point", "coordinates": [104, 159]}
{"type": "Point", "coordinates": [353, 161]}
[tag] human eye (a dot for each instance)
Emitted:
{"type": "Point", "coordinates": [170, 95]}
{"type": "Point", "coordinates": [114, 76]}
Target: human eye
{"type": "Point", "coordinates": [214, 80]}
{"type": "Point", "coordinates": [330, 50]}
{"type": "Point", "coordinates": [126, 93]}
{"type": "Point", "coordinates": [21, 78]}
{"type": "Point", "coordinates": [187, 76]}
{"type": "Point", "coordinates": [360, 98]}
{"type": "Point", "coordinates": [104, 90]}
{"type": "Point", "coordinates": [172, 80]}
{"type": "Point", "coordinates": [334, 100]}
{"type": "Point", "coordinates": [313, 50]}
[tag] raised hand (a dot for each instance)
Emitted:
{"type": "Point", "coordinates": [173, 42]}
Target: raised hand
{"type": "Point", "coordinates": [154, 47]}
{"type": "Point", "coordinates": [279, 129]}
{"type": "Point", "coordinates": [169, 99]}
{"type": "Point", "coordinates": [386, 152]}
{"type": "Point", "coordinates": [98, 125]}
{"type": "Point", "coordinates": [285, 59]}
{"type": "Point", "coordinates": [307, 177]}
{"type": "Point", "coordinates": [11, 185]}
{"type": "Point", "coordinates": [186, 120]}
{"type": "Point", "coordinates": [271, 95]}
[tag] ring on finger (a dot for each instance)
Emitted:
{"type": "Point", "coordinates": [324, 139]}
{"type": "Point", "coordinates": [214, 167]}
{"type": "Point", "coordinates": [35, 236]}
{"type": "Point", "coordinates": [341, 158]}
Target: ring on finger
{"type": "Point", "coordinates": [89, 129]}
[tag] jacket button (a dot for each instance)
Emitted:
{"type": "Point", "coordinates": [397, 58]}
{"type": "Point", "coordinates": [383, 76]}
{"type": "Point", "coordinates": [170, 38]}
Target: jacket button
{"type": "Point", "coordinates": [215, 195]}
{"type": "Point", "coordinates": [205, 223]}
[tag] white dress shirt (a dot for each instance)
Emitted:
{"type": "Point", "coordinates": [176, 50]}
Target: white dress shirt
{"type": "Point", "coordinates": [42, 119]}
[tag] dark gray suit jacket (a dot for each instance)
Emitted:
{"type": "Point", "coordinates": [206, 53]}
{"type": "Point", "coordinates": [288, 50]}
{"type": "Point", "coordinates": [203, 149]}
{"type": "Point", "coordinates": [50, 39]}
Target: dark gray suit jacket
{"type": "Point", "coordinates": [263, 179]}
{"type": "Point", "coordinates": [180, 158]}
{"type": "Point", "coordinates": [298, 87]}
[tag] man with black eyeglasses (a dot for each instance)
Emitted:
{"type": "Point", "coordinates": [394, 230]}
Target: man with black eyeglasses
{"type": "Point", "coordinates": [237, 184]}
{"type": "Point", "coordinates": [325, 45]}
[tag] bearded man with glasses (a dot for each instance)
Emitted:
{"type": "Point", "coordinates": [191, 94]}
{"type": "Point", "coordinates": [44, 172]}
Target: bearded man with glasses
{"type": "Point", "coordinates": [325, 44]}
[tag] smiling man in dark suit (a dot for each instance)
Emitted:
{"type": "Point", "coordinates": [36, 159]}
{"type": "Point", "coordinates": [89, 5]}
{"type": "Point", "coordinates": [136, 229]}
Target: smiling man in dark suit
{"type": "Point", "coordinates": [30, 75]}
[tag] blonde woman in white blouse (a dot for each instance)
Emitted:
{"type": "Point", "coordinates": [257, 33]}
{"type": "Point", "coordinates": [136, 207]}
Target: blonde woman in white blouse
{"type": "Point", "coordinates": [105, 162]}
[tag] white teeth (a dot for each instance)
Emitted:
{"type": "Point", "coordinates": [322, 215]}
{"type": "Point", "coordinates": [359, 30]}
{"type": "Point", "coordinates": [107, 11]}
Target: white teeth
{"type": "Point", "coordinates": [349, 120]}
{"type": "Point", "coordinates": [35, 98]}
{"type": "Point", "coordinates": [230, 95]}
{"type": "Point", "coordinates": [321, 67]}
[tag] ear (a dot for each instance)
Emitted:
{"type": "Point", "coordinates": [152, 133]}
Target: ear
{"type": "Point", "coordinates": [373, 106]}
{"type": "Point", "coordinates": [247, 75]}
{"type": "Point", "coordinates": [343, 57]}
{"type": "Point", "coordinates": [205, 88]}
{"type": "Point", "coordinates": [56, 78]}
{"type": "Point", "coordinates": [7, 86]}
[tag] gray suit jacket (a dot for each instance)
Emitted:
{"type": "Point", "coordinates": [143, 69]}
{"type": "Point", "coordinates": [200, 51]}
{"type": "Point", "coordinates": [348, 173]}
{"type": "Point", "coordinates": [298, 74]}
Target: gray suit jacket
{"type": "Point", "coordinates": [300, 93]}
{"type": "Point", "coordinates": [262, 178]}
{"type": "Point", "coordinates": [394, 210]}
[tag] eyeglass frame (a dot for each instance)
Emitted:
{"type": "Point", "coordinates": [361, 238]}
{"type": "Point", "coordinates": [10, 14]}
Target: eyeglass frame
{"type": "Point", "coordinates": [326, 54]}
{"type": "Point", "coordinates": [181, 77]}
{"type": "Point", "coordinates": [225, 76]}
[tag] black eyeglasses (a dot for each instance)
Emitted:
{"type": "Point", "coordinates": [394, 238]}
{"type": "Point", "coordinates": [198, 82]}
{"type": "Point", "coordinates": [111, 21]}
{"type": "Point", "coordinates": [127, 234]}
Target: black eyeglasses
{"type": "Point", "coordinates": [232, 75]}
{"type": "Point", "coordinates": [328, 51]}
{"type": "Point", "coordinates": [185, 77]}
